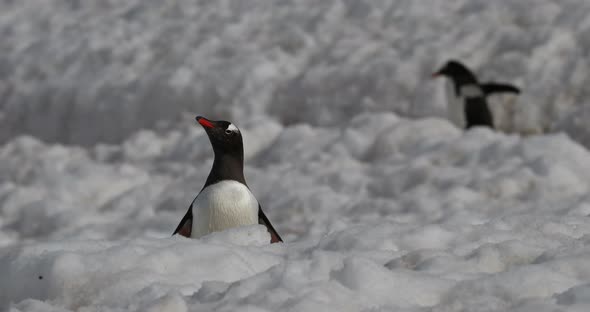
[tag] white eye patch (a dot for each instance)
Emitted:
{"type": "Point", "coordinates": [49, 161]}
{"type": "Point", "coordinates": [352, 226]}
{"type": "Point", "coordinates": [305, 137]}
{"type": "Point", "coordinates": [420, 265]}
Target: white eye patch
{"type": "Point", "coordinates": [231, 127]}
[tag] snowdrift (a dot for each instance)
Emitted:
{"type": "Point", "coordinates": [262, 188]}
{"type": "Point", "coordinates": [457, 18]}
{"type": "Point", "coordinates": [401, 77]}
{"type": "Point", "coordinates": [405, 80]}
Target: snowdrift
{"type": "Point", "coordinates": [384, 205]}
{"type": "Point", "coordinates": [385, 213]}
{"type": "Point", "coordinates": [80, 72]}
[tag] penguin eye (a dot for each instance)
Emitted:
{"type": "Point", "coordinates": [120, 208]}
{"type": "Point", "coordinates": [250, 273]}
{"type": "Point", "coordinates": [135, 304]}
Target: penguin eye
{"type": "Point", "coordinates": [231, 129]}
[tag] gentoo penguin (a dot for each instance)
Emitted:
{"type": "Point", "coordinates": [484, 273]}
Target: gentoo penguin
{"type": "Point", "coordinates": [225, 201]}
{"type": "Point", "coordinates": [467, 105]}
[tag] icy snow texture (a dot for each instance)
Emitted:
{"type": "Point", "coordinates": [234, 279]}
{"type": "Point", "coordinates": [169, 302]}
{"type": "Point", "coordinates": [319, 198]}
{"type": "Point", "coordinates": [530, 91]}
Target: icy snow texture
{"type": "Point", "coordinates": [384, 213]}
{"type": "Point", "coordinates": [85, 71]}
{"type": "Point", "coordinates": [381, 211]}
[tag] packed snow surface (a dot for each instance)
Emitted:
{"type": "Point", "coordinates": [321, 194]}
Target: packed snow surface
{"type": "Point", "coordinates": [383, 204]}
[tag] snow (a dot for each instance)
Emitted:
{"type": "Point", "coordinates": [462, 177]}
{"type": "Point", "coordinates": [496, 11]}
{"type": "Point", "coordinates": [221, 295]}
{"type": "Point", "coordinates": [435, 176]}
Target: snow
{"type": "Point", "coordinates": [114, 68]}
{"type": "Point", "coordinates": [383, 204]}
{"type": "Point", "coordinates": [416, 215]}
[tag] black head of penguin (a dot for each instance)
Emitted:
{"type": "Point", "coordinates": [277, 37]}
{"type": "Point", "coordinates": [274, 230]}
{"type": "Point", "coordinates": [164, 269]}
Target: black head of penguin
{"type": "Point", "coordinates": [457, 72]}
{"type": "Point", "coordinates": [225, 138]}
{"type": "Point", "coordinates": [228, 148]}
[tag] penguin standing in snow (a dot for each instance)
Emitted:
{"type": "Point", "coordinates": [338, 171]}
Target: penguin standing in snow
{"type": "Point", "coordinates": [225, 201]}
{"type": "Point", "coordinates": [467, 105]}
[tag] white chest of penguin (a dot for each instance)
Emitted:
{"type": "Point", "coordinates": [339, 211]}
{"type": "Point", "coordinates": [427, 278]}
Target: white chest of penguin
{"type": "Point", "coordinates": [456, 102]}
{"type": "Point", "coordinates": [455, 106]}
{"type": "Point", "coordinates": [223, 205]}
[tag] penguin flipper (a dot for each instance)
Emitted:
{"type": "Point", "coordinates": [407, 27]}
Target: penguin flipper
{"type": "Point", "coordinates": [262, 219]}
{"type": "Point", "coordinates": [185, 226]}
{"type": "Point", "coordinates": [492, 87]}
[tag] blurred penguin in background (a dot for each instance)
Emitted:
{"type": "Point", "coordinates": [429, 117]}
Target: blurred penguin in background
{"type": "Point", "coordinates": [467, 104]}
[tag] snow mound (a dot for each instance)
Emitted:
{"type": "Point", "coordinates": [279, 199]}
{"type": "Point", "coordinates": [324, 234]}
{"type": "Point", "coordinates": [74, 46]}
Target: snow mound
{"type": "Point", "coordinates": [81, 73]}
{"type": "Point", "coordinates": [77, 274]}
{"type": "Point", "coordinates": [384, 213]}
{"type": "Point", "coordinates": [383, 205]}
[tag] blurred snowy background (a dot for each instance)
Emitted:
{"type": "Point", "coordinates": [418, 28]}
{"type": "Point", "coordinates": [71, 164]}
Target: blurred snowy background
{"type": "Point", "coordinates": [383, 203]}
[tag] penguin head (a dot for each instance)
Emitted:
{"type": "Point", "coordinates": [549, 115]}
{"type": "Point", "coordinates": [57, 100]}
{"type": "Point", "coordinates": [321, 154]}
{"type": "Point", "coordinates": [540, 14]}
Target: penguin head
{"type": "Point", "coordinates": [457, 72]}
{"type": "Point", "coordinates": [224, 136]}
